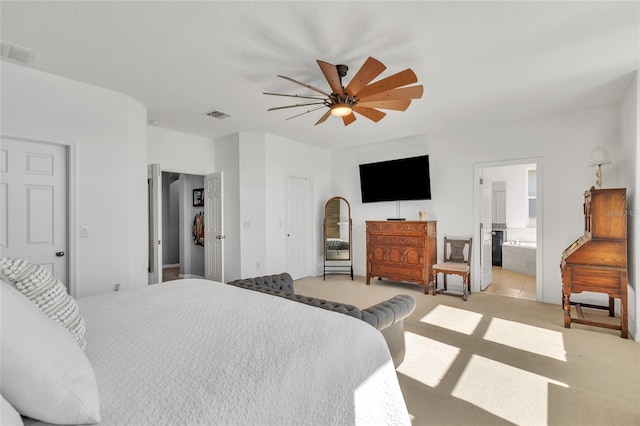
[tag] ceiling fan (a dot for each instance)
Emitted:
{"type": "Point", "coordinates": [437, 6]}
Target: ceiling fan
{"type": "Point", "coordinates": [360, 95]}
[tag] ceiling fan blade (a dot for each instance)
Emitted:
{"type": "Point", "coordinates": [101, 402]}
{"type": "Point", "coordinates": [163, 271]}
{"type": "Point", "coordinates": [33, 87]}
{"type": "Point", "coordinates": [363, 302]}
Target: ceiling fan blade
{"type": "Point", "coordinates": [323, 118]}
{"type": "Point", "coordinates": [370, 113]}
{"type": "Point", "coordinates": [348, 119]}
{"type": "Point", "coordinates": [305, 85]}
{"type": "Point", "coordinates": [396, 80]}
{"type": "Point", "coordinates": [296, 105]}
{"type": "Point", "coordinates": [307, 112]}
{"type": "Point", "coordinates": [365, 75]}
{"type": "Point", "coordinates": [413, 92]}
{"type": "Point", "coordinates": [400, 105]}
{"type": "Point", "coordinates": [293, 96]}
{"type": "Point", "coordinates": [331, 74]}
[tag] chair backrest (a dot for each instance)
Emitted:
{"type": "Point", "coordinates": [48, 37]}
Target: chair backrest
{"type": "Point", "coordinates": [457, 250]}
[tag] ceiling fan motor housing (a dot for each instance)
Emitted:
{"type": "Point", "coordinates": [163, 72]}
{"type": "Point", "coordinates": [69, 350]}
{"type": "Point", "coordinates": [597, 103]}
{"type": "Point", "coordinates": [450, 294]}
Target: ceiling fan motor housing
{"type": "Point", "coordinates": [342, 70]}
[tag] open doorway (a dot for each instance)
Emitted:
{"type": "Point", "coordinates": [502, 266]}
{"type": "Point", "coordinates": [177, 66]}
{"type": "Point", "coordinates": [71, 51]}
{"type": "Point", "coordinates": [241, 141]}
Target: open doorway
{"type": "Point", "coordinates": [182, 230]}
{"type": "Point", "coordinates": [515, 244]}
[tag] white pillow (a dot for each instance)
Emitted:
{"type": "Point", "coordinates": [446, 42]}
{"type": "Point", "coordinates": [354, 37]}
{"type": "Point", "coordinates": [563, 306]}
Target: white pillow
{"type": "Point", "coordinates": [8, 415]}
{"type": "Point", "coordinates": [45, 374]}
{"type": "Point", "coordinates": [38, 284]}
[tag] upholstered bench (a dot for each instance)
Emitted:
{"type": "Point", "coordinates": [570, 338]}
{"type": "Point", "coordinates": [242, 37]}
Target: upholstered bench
{"type": "Point", "coordinates": [387, 316]}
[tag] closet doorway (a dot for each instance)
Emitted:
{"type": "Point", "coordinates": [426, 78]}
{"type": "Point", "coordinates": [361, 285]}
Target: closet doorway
{"type": "Point", "coordinates": [182, 230]}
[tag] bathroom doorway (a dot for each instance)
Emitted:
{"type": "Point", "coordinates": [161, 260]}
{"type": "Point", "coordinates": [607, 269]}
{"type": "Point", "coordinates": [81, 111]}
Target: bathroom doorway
{"type": "Point", "coordinates": [516, 246]}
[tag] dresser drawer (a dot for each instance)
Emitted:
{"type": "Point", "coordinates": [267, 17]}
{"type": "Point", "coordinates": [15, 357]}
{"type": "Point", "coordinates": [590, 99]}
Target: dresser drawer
{"type": "Point", "coordinates": [400, 228]}
{"type": "Point", "coordinates": [396, 272]}
{"type": "Point", "coordinates": [396, 254]}
{"type": "Point", "coordinates": [593, 279]}
{"type": "Point", "coordinates": [396, 239]}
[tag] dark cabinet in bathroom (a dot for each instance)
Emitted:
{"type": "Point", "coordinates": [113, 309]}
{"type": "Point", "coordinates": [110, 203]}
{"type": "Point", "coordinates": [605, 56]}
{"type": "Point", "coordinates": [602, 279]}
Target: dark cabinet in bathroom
{"type": "Point", "coordinates": [497, 238]}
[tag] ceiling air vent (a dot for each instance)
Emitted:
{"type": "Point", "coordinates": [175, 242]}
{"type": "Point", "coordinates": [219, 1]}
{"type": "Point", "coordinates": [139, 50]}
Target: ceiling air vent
{"type": "Point", "coordinates": [17, 53]}
{"type": "Point", "coordinates": [217, 114]}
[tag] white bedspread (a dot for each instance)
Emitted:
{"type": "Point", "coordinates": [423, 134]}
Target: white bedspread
{"type": "Point", "coordinates": [193, 352]}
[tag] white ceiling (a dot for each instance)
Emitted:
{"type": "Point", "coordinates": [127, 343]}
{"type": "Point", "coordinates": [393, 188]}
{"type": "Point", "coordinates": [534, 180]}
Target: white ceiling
{"type": "Point", "coordinates": [481, 63]}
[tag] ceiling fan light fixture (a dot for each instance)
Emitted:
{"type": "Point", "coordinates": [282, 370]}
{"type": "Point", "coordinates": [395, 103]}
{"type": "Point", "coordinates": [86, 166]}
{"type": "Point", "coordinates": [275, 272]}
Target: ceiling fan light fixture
{"type": "Point", "coordinates": [341, 110]}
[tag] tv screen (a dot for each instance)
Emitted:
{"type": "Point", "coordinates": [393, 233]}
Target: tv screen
{"type": "Point", "coordinates": [396, 180]}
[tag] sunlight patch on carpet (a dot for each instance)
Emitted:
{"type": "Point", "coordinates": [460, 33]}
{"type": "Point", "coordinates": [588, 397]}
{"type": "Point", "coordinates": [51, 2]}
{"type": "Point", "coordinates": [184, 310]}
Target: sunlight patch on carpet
{"type": "Point", "coordinates": [453, 319]}
{"type": "Point", "coordinates": [515, 395]}
{"type": "Point", "coordinates": [528, 338]}
{"type": "Point", "coordinates": [427, 360]}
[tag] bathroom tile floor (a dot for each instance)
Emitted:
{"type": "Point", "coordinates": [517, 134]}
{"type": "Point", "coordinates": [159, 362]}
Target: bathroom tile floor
{"type": "Point", "coordinates": [512, 284]}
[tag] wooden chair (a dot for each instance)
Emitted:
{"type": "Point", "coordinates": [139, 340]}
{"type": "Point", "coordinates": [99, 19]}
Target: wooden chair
{"type": "Point", "coordinates": [456, 261]}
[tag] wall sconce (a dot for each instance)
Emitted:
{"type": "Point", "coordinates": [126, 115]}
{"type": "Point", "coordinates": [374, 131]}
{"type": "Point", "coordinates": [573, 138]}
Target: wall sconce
{"type": "Point", "coordinates": [599, 157]}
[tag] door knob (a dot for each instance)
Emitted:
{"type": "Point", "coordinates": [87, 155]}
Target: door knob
{"type": "Point", "coordinates": [59, 253]}
{"type": "Point", "coordinates": [220, 237]}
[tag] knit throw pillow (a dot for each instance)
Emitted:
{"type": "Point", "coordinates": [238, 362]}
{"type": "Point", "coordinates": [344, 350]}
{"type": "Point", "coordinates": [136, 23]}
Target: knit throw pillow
{"type": "Point", "coordinates": [47, 292]}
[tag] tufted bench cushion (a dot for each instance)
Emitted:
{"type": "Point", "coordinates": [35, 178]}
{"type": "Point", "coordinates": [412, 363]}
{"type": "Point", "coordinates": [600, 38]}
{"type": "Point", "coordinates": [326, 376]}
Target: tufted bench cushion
{"type": "Point", "coordinates": [312, 301]}
{"type": "Point", "coordinates": [282, 282]}
{"type": "Point", "coordinates": [386, 313]}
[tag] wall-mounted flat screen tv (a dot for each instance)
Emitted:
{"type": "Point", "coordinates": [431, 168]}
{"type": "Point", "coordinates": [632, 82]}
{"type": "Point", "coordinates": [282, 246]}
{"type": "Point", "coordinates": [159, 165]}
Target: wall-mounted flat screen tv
{"type": "Point", "coordinates": [396, 180]}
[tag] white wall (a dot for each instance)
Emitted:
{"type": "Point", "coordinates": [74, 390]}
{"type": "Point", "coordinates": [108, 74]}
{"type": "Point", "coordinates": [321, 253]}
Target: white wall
{"type": "Point", "coordinates": [180, 152]}
{"type": "Point", "coordinates": [630, 161]}
{"type": "Point", "coordinates": [109, 131]}
{"type": "Point", "coordinates": [253, 205]}
{"type": "Point", "coordinates": [254, 167]}
{"type": "Point", "coordinates": [284, 156]}
{"type": "Point", "coordinates": [562, 141]}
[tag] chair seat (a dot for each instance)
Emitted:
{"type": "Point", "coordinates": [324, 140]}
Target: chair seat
{"type": "Point", "coordinates": [452, 266]}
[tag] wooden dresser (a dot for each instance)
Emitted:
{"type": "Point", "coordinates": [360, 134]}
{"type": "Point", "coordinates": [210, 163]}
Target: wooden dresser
{"type": "Point", "coordinates": [597, 261]}
{"type": "Point", "coordinates": [401, 250]}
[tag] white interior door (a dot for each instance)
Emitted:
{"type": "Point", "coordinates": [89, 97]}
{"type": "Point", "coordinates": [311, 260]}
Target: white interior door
{"type": "Point", "coordinates": [213, 228]}
{"type": "Point", "coordinates": [486, 219]}
{"type": "Point", "coordinates": [298, 226]}
{"type": "Point", "coordinates": [34, 204]}
{"type": "Point", "coordinates": [154, 176]}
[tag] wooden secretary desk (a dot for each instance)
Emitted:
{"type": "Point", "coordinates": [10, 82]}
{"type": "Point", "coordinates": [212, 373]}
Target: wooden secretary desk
{"type": "Point", "coordinates": [597, 261]}
{"type": "Point", "coordinates": [401, 250]}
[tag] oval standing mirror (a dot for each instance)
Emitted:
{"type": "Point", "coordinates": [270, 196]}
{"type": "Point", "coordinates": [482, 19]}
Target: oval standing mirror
{"type": "Point", "coordinates": [337, 237]}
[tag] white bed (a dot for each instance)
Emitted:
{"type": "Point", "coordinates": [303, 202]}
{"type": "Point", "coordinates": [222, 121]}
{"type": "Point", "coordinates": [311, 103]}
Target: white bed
{"type": "Point", "coordinates": [201, 352]}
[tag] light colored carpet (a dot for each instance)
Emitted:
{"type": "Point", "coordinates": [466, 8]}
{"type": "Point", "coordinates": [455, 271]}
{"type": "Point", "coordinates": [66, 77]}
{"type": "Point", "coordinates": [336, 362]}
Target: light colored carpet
{"type": "Point", "coordinates": [497, 360]}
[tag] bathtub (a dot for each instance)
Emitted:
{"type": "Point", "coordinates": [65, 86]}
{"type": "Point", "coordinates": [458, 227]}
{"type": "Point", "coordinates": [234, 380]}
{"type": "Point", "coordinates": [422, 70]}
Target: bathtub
{"type": "Point", "coordinates": [519, 256]}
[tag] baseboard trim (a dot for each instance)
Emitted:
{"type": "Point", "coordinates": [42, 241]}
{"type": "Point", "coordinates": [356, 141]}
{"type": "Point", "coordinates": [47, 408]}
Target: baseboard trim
{"type": "Point", "coordinates": [171, 265]}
